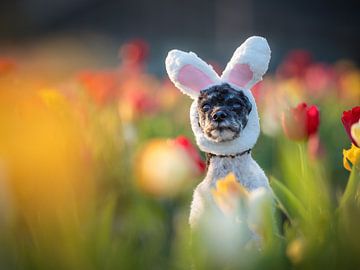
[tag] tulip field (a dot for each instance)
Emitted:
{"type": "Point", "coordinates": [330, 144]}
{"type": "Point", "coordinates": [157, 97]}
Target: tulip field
{"type": "Point", "coordinates": [98, 165]}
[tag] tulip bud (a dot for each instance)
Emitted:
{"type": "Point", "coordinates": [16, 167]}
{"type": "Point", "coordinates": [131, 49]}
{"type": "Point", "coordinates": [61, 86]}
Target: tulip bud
{"type": "Point", "coordinates": [228, 195]}
{"type": "Point", "coordinates": [349, 118]}
{"type": "Point", "coordinates": [301, 122]}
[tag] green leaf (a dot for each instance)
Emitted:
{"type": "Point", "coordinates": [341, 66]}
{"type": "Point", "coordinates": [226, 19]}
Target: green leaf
{"type": "Point", "coordinates": [289, 202]}
{"type": "Point", "coordinates": [352, 186]}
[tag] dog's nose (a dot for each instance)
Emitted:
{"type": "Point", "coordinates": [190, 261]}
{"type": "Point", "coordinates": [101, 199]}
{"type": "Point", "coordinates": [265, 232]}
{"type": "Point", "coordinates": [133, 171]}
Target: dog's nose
{"type": "Point", "coordinates": [219, 116]}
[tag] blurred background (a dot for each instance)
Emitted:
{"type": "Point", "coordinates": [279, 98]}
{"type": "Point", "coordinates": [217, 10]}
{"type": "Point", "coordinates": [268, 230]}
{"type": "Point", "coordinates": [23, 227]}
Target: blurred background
{"type": "Point", "coordinates": [329, 29]}
{"type": "Point", "coordinates": [97, 158]}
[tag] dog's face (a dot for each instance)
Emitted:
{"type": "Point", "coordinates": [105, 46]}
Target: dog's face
{"type": "Point", "coordinates": [222, 112]}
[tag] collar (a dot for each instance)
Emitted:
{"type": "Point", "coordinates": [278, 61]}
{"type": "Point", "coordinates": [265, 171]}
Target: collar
{"type": "Point", "coordinates": [211, 155]}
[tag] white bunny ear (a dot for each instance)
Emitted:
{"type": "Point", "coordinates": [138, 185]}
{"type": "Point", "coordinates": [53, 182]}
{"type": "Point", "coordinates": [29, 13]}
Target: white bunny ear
{"type": "Point", "coordinates": [189, 73]}
{"type": "Point", "coordinates": [248, 64]}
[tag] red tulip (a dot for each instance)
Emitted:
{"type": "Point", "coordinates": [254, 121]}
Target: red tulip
{"type": "Point", "coordinates": [348, 119]}
{"type": "Point", "coordinates": [134, 52]}
{"type": "Point", "coordinates": [301, 122]}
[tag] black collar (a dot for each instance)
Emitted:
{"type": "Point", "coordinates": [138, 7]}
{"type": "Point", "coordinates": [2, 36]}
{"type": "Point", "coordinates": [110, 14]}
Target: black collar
{"type": "Point", "coordinates": [211, 155]}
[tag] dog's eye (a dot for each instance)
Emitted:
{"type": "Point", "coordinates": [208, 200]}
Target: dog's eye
{"type": "Point", "coordinates": [206, 107]}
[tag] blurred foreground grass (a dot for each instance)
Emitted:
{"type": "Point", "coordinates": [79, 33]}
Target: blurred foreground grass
{"type": "Point", "coordinates": [84, 185]}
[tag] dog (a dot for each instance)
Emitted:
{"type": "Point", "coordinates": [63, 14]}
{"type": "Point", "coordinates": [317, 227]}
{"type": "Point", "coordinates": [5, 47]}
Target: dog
{"type": "Point", "coordinates": [223, 115]}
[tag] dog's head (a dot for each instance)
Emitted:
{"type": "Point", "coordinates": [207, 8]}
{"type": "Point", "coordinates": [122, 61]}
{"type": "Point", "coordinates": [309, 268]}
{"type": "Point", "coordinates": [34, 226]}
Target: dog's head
{"type": "Point", "coordinates": [223, 115]}
{"type": "Point", "coordinates": [223, 112]}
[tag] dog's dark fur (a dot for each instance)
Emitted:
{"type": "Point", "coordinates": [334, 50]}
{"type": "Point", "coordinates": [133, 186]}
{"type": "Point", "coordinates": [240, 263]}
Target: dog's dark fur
{"type": "Point", "coordinates": [223, 112]}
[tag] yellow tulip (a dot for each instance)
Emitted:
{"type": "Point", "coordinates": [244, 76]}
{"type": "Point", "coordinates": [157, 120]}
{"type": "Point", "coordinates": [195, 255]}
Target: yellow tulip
{"type": "Point", "coordinates": [351, 156]}
{"type": "Point", "coordinates": [227, 194]}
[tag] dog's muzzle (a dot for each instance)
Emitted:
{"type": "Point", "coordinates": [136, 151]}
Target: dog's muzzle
{"type": "Point", "coordinates": [222, 127]}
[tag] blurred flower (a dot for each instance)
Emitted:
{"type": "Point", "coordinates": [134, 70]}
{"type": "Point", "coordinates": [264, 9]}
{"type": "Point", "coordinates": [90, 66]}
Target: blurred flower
{"type": "Point", "coordinates": [295, 64]}
{"type": "Point", "coordinates": [291, 90]}
{"type": "Point", "coordinates": [134, 53]}
{"type": "Point", "coordinates": [258, 91]}
{"type": "Point", "coordinates": [269, 101]}
{"type": "Point", "coordinates": [6, 65]}
{"type": "Point", "coordinates": [106, 86]}
{"type": "Point", "coordinates": [347, 81]}
{"type": "Point", "coordinates": [138, 97]}
{"type": "Point", "coordinates": [185, 143]}
{"type": "Point", "coordinates": [301, 122]}
{"type": "Point", "coordinates": [164, 168]}
{"type": "Point", "coordinates": [227, 194]}
{"type": "Point", "coordinates": [274, 97]}
{"type": "Point", "coordinates": [295, 250]}
{"type": "Point", "coordinates": [221, 236]}
{"type": "Point", "coordinates": [226, 231]}
{"type": "Point", "coordinates": [102, 86]}
{"type": "Point", "coordinates": [252, 209]}
{"type": "Point", "coordinates": [351, 157]}
{"type": "Point", "coordinates": [348, 119]}
{"type": "Point", "coordinates": [318, 79]}
{"type": "Point", "coordinates": [54, 100]}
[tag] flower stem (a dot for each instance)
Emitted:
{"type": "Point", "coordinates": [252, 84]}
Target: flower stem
{"type": "Point", "coordinates": [302, 158]}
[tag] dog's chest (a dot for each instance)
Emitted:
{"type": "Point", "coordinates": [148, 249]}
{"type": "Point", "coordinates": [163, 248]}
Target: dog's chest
{"type": "Point", "coordinates": [246, 170]}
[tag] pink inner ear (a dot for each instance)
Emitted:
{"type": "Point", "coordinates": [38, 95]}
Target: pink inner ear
{"type": "Point", "coordinates": [193, 78]}
{"type": "Point", "coordinates": [240, 75]}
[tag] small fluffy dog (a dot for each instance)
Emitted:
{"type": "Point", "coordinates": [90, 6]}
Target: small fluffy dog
{"type": "Point", "coordinates": [223, 115]}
